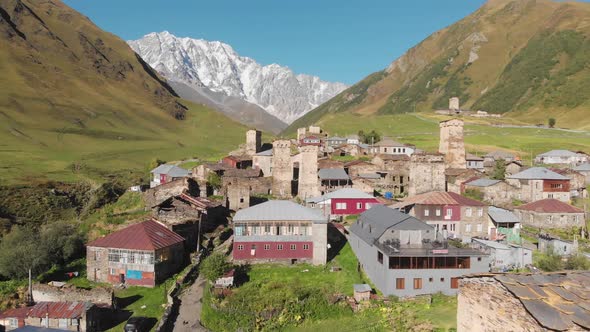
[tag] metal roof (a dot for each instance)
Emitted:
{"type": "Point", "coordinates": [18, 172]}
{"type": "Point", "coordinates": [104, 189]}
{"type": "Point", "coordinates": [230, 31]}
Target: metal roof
{"type": "Point", "coordinates": [483, 182]}
{"type": "Point", "coordinates": [29, 328]}
{"type": "Point", "coordinates": [584, 168]}
{"type": "Point", "coordinates": [557, 153]}
{"type": "Point", "coordinates": [276, 210]}
{"type": "Point", "coordinates": [333, 174]}
{"type": "Point", "coordinates": [389, 142]}
{"type": "Point", "coordinates": [59, 309]}
{"type": "Point", "coordinates": [369, 176]}
{"type": "Point", "coordinates": [537, 173]}
{"type": "Point", "coordinates": [550, 205]}
{"type": "Point", "coordinates": [267, 153]}
{"type": "Point", "coordinates": [502, 216]}
{"type": "Point", "coordinates": [171, 170]}
{"type": "Point", "coordinates": [341, 193]}
{"type": "Point", "coordinates": [438, 198]}
{"type": "Point", "coordinates": [558, 301]}
{"type": "Point", "coordinates": [20, 313]}
{"type": "Point", "coordinates": [361, 288]}
{"type": "Point", "coordinates": [470, 156]}
{"type": "Point", "coordinates": [147, 235]}
{"type": "Point", "coordinates": [336, 138]}
{"type": "Point", "coordinates": [499, 154]}
{"type": "Point", "coordinates": [492, 244]}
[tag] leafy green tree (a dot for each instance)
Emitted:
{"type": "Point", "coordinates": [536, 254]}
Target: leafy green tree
{"type": "Point", "coordinates": [62, 242]}
{"type": "Point", "coordinates": [499, 172]}
{"type": "Point", "coordinates": [551, 122]}
{"type": "Point", "coordinates": [214, 180]}
{"type": "Point", "coordinates": [214, 266]}
{"type": "Point", "coordinates": [21, 250]}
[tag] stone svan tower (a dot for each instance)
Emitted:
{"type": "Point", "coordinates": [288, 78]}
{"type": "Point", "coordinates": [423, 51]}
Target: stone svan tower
{"type": "Point", "coordinates": [308, 172]}
{"type": "Point", "coordinates": [451, 143]}
{"type": "Point", "coordinates": [253, 142]}
{"type": "Point", "coordinates": [454, 104]}
{"type": "Point", "coordinates": [282, 168]}
{"type": "Point", "coordinates": [301, 132]}
{"type": "Point", "coordinates": [427, 173]}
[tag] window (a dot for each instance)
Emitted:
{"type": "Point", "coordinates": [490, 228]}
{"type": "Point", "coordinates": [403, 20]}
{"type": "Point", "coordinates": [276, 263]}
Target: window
{"type": "Point", "coordinates": [13, 323]}
{"type": "Point", "coordinates": [480, 212]}
{"type": "Point", "coordinates": [431, 279]}
{"type": "Point", "coordinates": [279, 246]}
{"type": "Point", "coordinates": [442, 279]}
{"type": "Point", "coordinates": [267, 229]}
{"type": "Point", "coordinates": [452, 227]}
{"type": "Point", "coordinates": [467, 228]}
{"type": "Point", "coordinates": [267, 247]}
{"type": "Point", "coordinates": [253, 247]}
{"type": "Point", "coordinates": [454, 283]}
{"type": "Point", "coordinates": [380, 257]}
{"type": "Point", "coordinates": [241, 199]}
{"type": "Point", "coordinates": [290, 229]}
{"type": "Point", "coordinates": [240, 247]}
{"type": "Point", "coordinates": [239, 230]}
{"type": "Point", "coordinates": [417, 283]}
{"type": "Point", "coordinates": [399, 283]}
{"type": "Point", "coordinates": [112, 271]}
{"type": "Point", "coordinates": [549, 218]}
{"type": "Point", "coordinates": [293, 247]}
{"type": "Point", "coordinates": [556, 185]}
{"type": "Point", "coordinates": [576, 218]}
{"type": "Point", "coordinates": [479, 227]}
{"type": "Point", "coordinates": [74, 322]}
{"type": "Point", "coordinates": [468, 212]}
{"type": "Point", "coordinates": [367, 206]}
{"type": "Point", "coordinates": [449, 212]}
{"type": "Point", "coordinates": [550, 196]}
{"type": "Point", "coordinates": [437, 212]}
{"type": "Point", "coordinates": [340, 206]}
{"type": "Point", "coordinates": [306, 247]}
{"type": "Point", "coordinates": [62, 323]}
{"type": "Point", "coordinates": [426, 212]}
{"type": "Point", "coordinates": [479, 259]}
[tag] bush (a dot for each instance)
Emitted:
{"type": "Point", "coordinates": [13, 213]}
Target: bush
{"type": "Point", "coordinates": [549, 262]}
{"type": "Point", "coordinates": [551, 122]}
{"type": "Point", "coordinates": [214, 266]}
{"type": "Point", "coordinates": [577, 262]}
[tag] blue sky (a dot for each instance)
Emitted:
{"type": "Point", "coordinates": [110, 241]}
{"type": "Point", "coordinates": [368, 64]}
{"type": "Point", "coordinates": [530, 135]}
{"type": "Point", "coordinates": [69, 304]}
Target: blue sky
{"type": "Point", "coordinates": [338, 40]}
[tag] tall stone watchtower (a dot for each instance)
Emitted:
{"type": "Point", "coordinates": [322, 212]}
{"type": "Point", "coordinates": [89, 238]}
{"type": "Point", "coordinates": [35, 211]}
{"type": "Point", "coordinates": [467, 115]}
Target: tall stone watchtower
{"type": "Point", "coordinates": [301, 132]}
{"type": "Point", "coordinates": [308, 172]}
{"type": "Point", "coordinates": [253, 142]}
{"type": "Point", "coordinates": [454, 104]}
{"type": "Point", "coordinates": [427, 173]}
{"type": "Point", "coordinates": [452, 144]}
{"type": "Point", "coordinates": [282, 168]}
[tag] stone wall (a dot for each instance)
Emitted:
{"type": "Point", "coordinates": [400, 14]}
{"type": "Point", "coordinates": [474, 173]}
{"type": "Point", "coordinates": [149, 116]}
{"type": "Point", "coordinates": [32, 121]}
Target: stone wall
{"type": "Point", "coordinates": [474, 221]}
{"type": "Point", "coordinates": [301, 132]}
{"type": "Point", "coordinates": [253, 142]}
{"type": "Point", "coordinates": [308, 173]}
{"type": "Point", "coordinates": [427, 173]}
{"type": "Point", "coordinates": [451, 143]}
{"type": "Point", "coordinates": [484, 304]}
{"type": "Point", "coordinates": [550, 220]}
{"type": "Point", "coordinates": [68, 293]}
{"type": "Point", "coordinates": [237, 194]}
{"type": "Point", "coordinates": [282, 169]}
{"type": "Point", "coordinates": [263, 163]}
{"type": "Point", "coordinates": [157, 195]}
{"type": "Point", "coordinates": [319, 234]}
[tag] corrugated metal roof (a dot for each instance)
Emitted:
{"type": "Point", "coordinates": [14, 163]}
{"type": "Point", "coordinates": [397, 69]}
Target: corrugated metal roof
{"type": "Point", "coordinates": [341, 193]}
{"type": "Point", "coordinates": [492, 244]}
{"type": "Point", "coordinates": [557, 301]}
{"type": "Point", "coordinates": [550, 205]}
{"type": "Point", "coordinates": [369, 176]}
{"type": "Point", "coordinates": [502, 216]}
{"type": "Point", "coordinates": [537, 173]}
{"type": "Point", "coordinates": [483, 182]}
{"type": "Point", "coordinates": [276, 210]}
{"type": "Point", "coordinates": [15, 313]}
{"type": "Point", "coordinates": [438, 198]}
{"type": "Point", "coordinates": [333, 174]}
{"type": "Point", "coordinates": [59, 309]}
{"type": "Point", "coordinates": [583, 168]}
{"type": "Point", "coordinates": [147, 235]}
{"type": "Point", "coordinates": [171, 170]}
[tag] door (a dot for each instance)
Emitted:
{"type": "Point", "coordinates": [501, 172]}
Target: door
{"type": "Point", "coordinates": [162, 178]}
{"type": "Point", "coordinates": [122, 278]}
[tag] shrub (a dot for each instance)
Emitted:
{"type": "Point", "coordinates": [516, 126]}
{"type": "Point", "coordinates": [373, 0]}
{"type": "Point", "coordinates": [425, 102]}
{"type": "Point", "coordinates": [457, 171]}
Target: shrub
{"type": "Point", "coordinates": [551, 122]}
{"type": "Point", "coordinates": [214, 266]}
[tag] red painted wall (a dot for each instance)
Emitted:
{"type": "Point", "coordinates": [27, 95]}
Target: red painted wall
{"type": "Point", "coordinates": [273, 252]}
{"type": "Point", "coordinates": [231, 162]}
{"type": "Point", "coordinates": [351, 205]}
{"type": "Point", "coordinates": [146, 280]}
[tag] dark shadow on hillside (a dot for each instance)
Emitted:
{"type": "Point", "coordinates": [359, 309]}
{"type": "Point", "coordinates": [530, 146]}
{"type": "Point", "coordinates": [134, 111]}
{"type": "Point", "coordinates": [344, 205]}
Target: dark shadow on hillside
{"type": "Point", "coordinates": [241, 274]}
{"type": "Point", "coordinates": [336, 240]}
{"type": "Point", "coordinates": [124, 302]}
{"type": "Point", "coordinates": [108, 318]}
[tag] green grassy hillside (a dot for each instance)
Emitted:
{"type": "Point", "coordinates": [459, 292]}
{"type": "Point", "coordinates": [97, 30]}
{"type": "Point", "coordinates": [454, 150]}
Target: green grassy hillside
{"type": "Point", "coordinates": [526, 59]}
{"type": "Point", "coordinates": [76, 101]}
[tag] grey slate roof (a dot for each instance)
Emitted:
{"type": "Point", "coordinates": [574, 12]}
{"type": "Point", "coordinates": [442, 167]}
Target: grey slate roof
{"type": "Point", "coordinates": [557, 153]}
{"type": "Point", "coordinates": [583, 168]}
{"type": "Point", "coordinates": [499, 154]}
{"type": "Point", "coordinates": [171, 170]}
{"type": "Point", "coordinates": [267, 153]}
{"type": "Point", "coordinates": [381, 218]}
{"type": "Point", "coordinates": [276, 210]}
{"type": "Point", "coordinates": [341, 193]}
{"type": "Point", "coordinates": [361, 288]}
{"type": "Point", "coordinates": [537, 173]}
{"type": "Point", "coordinates": [389, 142]}
{"type": "Point", "coordinates": [333, 174]}
{"type": "Point", "coordinates": [483, 182]}
{"type": "Point", "coordinates": [502, 216]}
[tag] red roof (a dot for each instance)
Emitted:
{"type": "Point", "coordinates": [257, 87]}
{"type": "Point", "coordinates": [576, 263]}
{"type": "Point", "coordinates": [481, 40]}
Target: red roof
{"type": "Point", "coordinates": [20, 313]}
{"type": "Point", "coordinates": [550, 205]}
{"type": "Point", "coordinates": [147, 235]}
{"type": "Point", "coordinates": [439, 198]}
{"type": "Point", "coordinates": [59, 309]}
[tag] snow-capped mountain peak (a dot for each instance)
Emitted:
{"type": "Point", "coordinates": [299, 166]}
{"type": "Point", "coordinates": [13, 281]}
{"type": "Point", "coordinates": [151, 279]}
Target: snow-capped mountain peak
{"type": "Point", "coordinates": [216, 66]}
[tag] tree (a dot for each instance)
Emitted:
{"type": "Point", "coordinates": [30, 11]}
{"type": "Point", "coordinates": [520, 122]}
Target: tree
{"type": "Point", "coordinates": [214, 266]}
{"type": "Point", "coordinates": [21, 250]}
{"type": "Point", "coordinates": [214, 180]}
{"type": "Point", "coordinates": [499, 172]}
{"type": "Point", "coordinates": [551, 122]}
{"type": "Point", "coordinates": [369, 138]}
{"type": "Point", "coordinates": [549, 261]}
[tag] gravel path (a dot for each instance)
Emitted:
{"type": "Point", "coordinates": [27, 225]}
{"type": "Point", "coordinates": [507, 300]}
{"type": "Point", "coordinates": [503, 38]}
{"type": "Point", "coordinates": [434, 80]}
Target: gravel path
{"type": "Point", "coordinates": [190, 308]}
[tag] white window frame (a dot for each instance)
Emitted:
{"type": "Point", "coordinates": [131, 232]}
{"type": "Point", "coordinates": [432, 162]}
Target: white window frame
{"type": "Point", "coordinates": [306, 247]}
{"type": "Point", "coordinates": [480, 212]}
{"type": "Point", "coordinates": [293, 247]}
{"type": "Point", "coordinates": [427, 212]}
{"type": "Point", "coordinates": [468, 212]}
{"type": "Point", "coordinates": [367, 206]}
{"type": "Point", "coordinates": [468, 228]}
{"type": "Point", "coordinates": [449, 212]}
{"type": "Point", "coordinates": [437, 212]}
{"type": "Point", "coordinates": [479, 228]}
{"type": "Point", "coordinates": [240, 247]}
{"type": "Point", "coordinates": [359, 205]}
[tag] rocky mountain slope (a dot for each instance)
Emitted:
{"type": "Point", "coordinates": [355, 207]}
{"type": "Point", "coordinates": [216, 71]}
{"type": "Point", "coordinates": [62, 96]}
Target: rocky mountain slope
{"type": "Point", "coordinates": [217, 67]}
{"type": "Point", "coordinates": [72, 94]}
{"type": "Point", "coordinates": [526, 59]}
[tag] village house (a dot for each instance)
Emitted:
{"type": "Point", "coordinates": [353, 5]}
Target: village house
{"type": "Point", "coordinates": [504, 256]}
{"type": "Point", "coordinates": [240, 162]}
{"type": "Point", "coordinates": [538, 183]}
{"type": "Point", "coordinates": [455, 178]}
{"type": "Point", "coordinates": [356, 167]}
{"type": "Point", "coordinates": [310, 140]}
{"type": "Point", "coordinates": [584, 169]}
{"type": "Point", "coordinates": [504, 225]}
{"type": "Point", "coordinates": [143, 254]}
{"type": "Point", "coordinates": [577, 181]}
{"type": "Point", "coordinates": [474, 162]}
{"type": "Point", "coordinates": [167, 173]}
{"type": "Point", "coordinates": [492, 191]}
{"type": "Point", "coordinates": [280, 231]}
{"type": "Point", "coordinates": [563, 157]}
{"type": "Point", "coordinates": [362, 292]}
{"type": "Point", "coordinates": [451, 214]}
{"type": "Point", "coordinates": [353, 139]}
{"type": "Point", "coordinates": [405, 257]}
{"type": "Point", "coordinates": [524, 302]}
{"type": "Point", "coordinates": [547, 243]}
{"type": "Point", "coordinates": [389, 146]}
{"type": "Point", "coordinates": [512, 167]}
{"type": "Point", "coordinates": [11, 319]}
{"type": "Point", "coordinates": [335, 141]}
{"type": "Point", "coordinates": [332, 179]}
{"type": "Point", "coordinates": [550, 213]}
{"type": "Point", "coordinates": [343, 202]}
{"type": "Point", "coordinates": [263, 161]}
{"type": "Point", "coordinates": [499, 155]}
{"type": "Point", "coordinates": [65, 316]}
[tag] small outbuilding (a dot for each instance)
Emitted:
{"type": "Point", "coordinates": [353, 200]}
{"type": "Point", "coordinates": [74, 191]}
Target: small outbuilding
{"type": "Point", "coordinates": [362, 292]}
